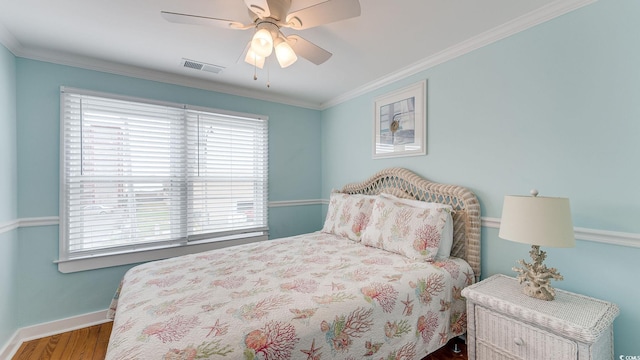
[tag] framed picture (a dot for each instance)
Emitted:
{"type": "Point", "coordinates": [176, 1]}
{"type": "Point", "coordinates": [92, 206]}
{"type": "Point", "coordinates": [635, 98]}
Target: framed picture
{"type": "Point", "coordinates": [400, 123]}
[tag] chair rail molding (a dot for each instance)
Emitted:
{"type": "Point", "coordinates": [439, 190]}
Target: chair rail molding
{"type": "Point", "coordinates": [586, 234]}
{"type": "Point", "coordinates": [28, 222]}
{"type": "Point", "coordinates": [9, 225]}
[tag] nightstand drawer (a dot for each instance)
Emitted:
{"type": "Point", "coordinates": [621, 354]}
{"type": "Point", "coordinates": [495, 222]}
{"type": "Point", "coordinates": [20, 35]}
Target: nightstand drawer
{"type": "Point", "coordinates": [504, 337]}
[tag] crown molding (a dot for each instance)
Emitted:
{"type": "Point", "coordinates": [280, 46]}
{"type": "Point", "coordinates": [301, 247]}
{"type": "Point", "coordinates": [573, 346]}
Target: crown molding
{"type": "Point", "coordinates": [109, 67]}
{"type": "Point", "coordinates": [9, 41]}
{"type": "Point", "coordinates": [536, 17]}
{"type": "Point", "coordinates": [545, 13]}
{"type": "Point", "coordinates": [14, 46]}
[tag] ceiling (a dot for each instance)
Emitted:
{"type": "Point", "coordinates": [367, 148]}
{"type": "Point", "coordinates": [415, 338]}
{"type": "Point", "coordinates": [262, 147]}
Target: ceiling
{"type": "Point", "coordinates": [389, 40]}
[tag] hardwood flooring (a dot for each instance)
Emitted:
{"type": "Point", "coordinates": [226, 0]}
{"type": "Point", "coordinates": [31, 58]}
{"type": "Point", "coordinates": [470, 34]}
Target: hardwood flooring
{"type": "Point", "coordinates": [88, 343]}
{"type": "Point", "coordinates": [91, 344]}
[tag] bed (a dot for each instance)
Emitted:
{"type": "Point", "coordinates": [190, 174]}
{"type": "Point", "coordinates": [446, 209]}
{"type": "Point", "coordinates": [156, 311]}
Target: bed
{"type": "Point", "coordinates": [360, 288]}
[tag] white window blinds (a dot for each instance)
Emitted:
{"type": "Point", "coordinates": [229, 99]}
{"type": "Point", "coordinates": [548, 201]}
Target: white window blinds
{"type": "Point", "coordinates": [138, 175]}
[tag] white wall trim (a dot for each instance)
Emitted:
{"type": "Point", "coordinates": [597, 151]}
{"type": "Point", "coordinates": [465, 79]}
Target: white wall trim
{"type": "Point", "coordinates": [490, 222]}
{"type": "Point", "coordinates": [9, 225]}
{"type": "Point", "coordinates": [28, 222]}
{"type": "Point", "coordinates": [55, 220]}
{"type": "Point", "coordinates": [109, 67]}
{"type": "Point", "coordinates": [536, 17]}
{"type": "Point", "coordinates": [8, 40]}
{"type": "Point", "coordinates": [51, 328]}
{"type": "Point", "coordinates": [295, 203]}
{"type": "Point", "coordinates": [594, 235]}
{"type": "Point", "coordinates": [608, 237]}
{"type": "Point", "coordinates": [39, 221]}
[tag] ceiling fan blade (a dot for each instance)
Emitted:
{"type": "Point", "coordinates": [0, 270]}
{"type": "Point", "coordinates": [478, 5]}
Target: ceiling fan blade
{"type": "Point", "coordinates": [323, 13]}
{"type": "Point", "coordinates": [203, 20]}
{"type": "Point", "coordinates": [308, 50]}
{"type": "Point", "coordinates": [259, 7]}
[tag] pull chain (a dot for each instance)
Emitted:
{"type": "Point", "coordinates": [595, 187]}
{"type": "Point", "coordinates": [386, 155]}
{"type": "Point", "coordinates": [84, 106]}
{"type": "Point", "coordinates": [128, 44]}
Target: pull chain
{"type": "Point", "coordinates": [268, 82]}
{"type": "Point", "coordinates": [255, 67]}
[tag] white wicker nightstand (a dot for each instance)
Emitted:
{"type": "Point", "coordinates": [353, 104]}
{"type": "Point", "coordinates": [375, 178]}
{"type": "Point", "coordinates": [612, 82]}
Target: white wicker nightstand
{"type": "Point", "coordinates": [503, 323]}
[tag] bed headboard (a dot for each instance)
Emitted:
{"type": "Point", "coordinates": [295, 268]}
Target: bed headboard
{"type": "Point", "coordinates": [466, 218]}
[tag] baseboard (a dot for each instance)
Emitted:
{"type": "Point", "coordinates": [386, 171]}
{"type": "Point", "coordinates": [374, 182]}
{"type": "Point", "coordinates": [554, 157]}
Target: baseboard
{"type": "Point", "coordinates": [51, 328]}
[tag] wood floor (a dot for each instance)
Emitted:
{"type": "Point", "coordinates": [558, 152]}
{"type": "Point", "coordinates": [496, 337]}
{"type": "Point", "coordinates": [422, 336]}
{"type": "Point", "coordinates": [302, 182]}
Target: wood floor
{"type": "Point", "coordinates": [91, 344]}
{"type": "Point", "coordinates": [88, 343]}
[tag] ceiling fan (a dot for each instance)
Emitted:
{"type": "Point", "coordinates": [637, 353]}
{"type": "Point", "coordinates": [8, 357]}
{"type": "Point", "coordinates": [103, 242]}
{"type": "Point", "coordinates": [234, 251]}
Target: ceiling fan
{"type": "Point", "coordinates": [267, 17]}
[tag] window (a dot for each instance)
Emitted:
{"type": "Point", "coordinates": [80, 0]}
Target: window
{"type": "Point", "coordinates": [140, 176]}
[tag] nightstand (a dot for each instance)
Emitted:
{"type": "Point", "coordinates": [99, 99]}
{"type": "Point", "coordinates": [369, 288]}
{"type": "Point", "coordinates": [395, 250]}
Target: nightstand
{"type": "Point", "coordinates": [504, 323]}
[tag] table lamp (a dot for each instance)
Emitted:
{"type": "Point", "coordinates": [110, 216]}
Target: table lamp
{"type": "Point", "coordinates": [539, 221]}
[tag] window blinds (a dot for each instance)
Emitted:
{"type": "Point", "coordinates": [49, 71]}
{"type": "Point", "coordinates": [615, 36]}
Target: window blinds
{"type": "Point", "coordinates": [138, 175]}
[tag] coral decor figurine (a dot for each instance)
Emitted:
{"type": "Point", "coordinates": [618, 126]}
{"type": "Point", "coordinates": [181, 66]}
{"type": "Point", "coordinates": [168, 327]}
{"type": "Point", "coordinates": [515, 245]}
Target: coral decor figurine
{"type": "Point", "coordinates": [537, 276]}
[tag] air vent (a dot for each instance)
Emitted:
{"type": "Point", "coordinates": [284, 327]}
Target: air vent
{"type": "Point", "coordinates": [197, 65]}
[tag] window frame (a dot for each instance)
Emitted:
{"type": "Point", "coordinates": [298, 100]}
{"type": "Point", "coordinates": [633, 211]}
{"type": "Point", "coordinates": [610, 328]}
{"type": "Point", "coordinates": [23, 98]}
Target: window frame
{"type": "Point", "coordinates": [68, 263]}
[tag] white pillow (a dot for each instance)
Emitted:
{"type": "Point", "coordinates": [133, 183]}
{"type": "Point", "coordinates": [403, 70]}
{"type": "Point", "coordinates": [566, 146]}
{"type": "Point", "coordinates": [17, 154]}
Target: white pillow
{"type": "Point", "coordinates": [446, 240]}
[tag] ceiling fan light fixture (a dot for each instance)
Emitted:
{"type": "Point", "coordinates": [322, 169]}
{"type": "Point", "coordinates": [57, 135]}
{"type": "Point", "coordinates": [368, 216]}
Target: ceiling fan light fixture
{"type": "Point", "coordinates": [268, 17]}
{"type": "Point", "coordinates": [254, 59]}
{"type": "Point", "coordinates": [262, 43]}
{"type": "Point", "coordinates": [284, 53]}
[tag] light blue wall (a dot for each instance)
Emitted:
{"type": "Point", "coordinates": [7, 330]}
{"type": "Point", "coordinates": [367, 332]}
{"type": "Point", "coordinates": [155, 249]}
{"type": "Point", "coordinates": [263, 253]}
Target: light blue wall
{"type": "Point", "coordinates": [8, 156]}
{"type": "Point", "coordinates": [556, 107]}
{"type": "Point", "coordinates": [294, 150]}
{"type": "Point", "coordinates": [8, 191]}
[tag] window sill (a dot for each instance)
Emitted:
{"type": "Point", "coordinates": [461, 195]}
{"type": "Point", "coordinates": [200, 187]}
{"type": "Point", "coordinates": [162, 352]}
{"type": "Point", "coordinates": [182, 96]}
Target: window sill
{"type": "Point", "coordinates": [104, 261]}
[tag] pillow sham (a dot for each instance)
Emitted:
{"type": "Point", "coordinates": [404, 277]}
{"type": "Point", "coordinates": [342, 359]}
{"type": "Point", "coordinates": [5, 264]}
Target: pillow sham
{"type": "Point", "coordinates": [404, 229]}
{"type": "Point", "coordinates": [446, 239]}
{"type": "Point", "coordinates": [348, 214]}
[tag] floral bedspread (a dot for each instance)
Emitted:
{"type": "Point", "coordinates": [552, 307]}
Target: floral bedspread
{"type": "Point", "coordinates": [314, 296]}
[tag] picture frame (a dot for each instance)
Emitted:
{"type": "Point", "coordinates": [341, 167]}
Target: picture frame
{"type": "Point", "coordinates": [400, 122]}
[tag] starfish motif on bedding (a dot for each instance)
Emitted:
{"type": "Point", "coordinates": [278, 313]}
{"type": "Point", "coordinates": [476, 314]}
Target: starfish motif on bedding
{"type": "Point", "coordinates": [217, 329]}
{"type": "Point", "coordinates": [408, 306]}
{"type": "Point", "coordinates": [312, 354]}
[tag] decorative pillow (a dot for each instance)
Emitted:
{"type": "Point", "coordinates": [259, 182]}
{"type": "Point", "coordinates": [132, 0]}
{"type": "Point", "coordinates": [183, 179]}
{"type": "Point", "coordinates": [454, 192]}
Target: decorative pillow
{"type": "Point", "coordinates": [446, 240]}
{"type": "Point", "coordinates": [348, 215]}
{"type": "Point", "coordinates": [405, 229]}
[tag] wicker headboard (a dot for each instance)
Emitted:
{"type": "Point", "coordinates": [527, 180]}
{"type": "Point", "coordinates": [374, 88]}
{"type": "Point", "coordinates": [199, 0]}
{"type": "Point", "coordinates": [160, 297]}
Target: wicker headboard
{"type": "Point", "coordinates": [466, 218]}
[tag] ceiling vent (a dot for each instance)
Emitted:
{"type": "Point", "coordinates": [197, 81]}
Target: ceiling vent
{"type": "Point", "coordinates": [197, 65]}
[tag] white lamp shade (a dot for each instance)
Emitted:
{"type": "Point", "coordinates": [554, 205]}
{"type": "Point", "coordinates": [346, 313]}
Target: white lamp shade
{"type": "Point", "coordinates": [262, 43]}
{"type": "Point", "coordinates": [284, 53]}
{"type": "Point", "coordinates": [254, 59]}
{"type": "Point", "coordinates": [542, 221]}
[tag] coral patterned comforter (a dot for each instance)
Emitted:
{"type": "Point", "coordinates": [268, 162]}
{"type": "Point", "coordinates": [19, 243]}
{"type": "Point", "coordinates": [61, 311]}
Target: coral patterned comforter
{"type": "Point", "coordinates": [314, 296]}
